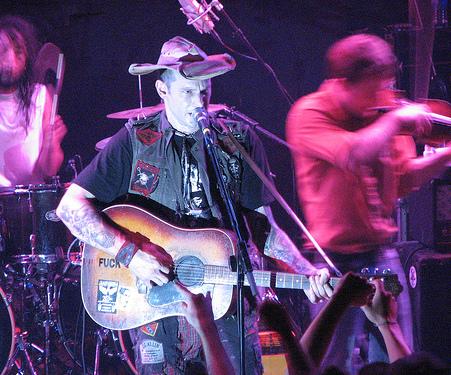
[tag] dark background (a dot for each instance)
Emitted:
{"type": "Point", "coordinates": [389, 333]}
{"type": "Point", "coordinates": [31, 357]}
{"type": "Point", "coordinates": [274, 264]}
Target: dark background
{"type": "Point", "coordinates": [100, 39]}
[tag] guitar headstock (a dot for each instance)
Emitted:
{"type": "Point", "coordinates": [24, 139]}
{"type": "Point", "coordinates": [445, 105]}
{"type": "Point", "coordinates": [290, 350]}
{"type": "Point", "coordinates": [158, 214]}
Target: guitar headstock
{"type": "Point", "coordinates": [389, 279]}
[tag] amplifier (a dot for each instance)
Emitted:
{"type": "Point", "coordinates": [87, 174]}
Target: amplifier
{"type": "Point", "coordinates": [428, 213]}
{"type": "Point", "coordinates": [429, 278]}
{"type": "Point", "coordinates": [273, 353]}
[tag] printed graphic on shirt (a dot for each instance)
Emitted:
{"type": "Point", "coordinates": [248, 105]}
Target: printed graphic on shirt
{"type": "Point", "coordinates": [198, 201]}
{"type": "Point", "coordinates": [148, 136]}
{"type": "Point", "coordinates": [150, 329]}
{"type": "Point", "coordinates": [145, 178]}
{"type": "Point", "coordinates": [234, 166]}
{"type": "Point", "coordinates": [107, 296]}
{"type": "Point", "coordinates": [151, 352]}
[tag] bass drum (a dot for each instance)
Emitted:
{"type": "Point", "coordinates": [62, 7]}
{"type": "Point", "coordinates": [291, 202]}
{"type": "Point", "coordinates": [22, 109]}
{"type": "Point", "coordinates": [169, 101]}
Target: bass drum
{"type": "Point", "coordinates": [7, 331]}
{"type": "Point", "coordinates": [78, 332]}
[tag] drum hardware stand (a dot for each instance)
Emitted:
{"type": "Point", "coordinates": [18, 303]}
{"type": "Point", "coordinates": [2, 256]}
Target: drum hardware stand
{"type": "Point", "coordinates": [47, 307]}
{"type": "Point", "coordinates": [22, 346]}
{"type": "Point", "coordinates": [48, 322]}
{"type": "Point", "coordinates": [102, 335]}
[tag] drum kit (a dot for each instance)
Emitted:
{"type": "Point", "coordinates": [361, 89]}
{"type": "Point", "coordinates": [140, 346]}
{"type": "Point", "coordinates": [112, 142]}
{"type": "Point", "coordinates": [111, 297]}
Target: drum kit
{"type": "Point", "coordinates": [44, 328]}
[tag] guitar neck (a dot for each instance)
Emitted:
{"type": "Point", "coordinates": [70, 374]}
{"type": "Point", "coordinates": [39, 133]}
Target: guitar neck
{"type": "Point", "coordinates": [282, 280]}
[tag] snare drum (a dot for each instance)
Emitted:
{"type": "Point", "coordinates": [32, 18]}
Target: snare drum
{"type": "Point", "coordinates": [30, 230]}
{"type": "Point", "coordinates": [7, 331]}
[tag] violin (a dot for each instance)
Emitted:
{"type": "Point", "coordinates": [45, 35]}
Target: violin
{"type": "Point", "coordinates": [439, 115]}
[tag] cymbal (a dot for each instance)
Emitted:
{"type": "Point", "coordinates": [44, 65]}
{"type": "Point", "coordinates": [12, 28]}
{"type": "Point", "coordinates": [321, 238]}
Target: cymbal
{"type": "Point", "coordinates": [149, 111]}
{"type": "Point", "coordinates": [100, 145]}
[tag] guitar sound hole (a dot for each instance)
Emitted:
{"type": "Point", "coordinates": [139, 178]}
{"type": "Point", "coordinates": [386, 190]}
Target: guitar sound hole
{"type": "Point", "coordinates": [189, 270]}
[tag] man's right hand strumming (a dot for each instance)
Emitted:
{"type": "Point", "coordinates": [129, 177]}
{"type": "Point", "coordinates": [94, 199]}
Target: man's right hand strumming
{"type": "Point", "coordinates": [150, 262]}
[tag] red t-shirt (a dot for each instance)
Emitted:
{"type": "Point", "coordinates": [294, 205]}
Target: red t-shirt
{"type": "Point", "coordinates": [346, 212]}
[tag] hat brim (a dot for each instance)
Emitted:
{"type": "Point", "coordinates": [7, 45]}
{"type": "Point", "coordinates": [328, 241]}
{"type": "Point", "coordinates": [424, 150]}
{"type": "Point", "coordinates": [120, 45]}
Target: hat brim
{"type": "Point", "coordinates": [210, 67]}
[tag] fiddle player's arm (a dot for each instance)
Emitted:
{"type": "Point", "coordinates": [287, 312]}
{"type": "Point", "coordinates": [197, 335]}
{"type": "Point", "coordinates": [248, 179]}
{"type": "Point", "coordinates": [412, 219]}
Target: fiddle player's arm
{"type": "Point", "coordinates": [371, 140]}
{"type": "Point", "coordinates": [279, 246]}
{"type": "Point", "coordinates": [149, 263]}
{"type": "Point", "coordinates": [421, 170]}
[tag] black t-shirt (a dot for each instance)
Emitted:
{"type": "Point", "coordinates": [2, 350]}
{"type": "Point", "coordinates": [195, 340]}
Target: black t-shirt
{"type": "Point", "coordinates": [108, 175]}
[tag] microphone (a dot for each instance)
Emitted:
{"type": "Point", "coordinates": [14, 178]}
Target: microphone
{"type": "Point", "coordinates": [198, 15]}
{"type": "Point", "coordinates": [200, 115]}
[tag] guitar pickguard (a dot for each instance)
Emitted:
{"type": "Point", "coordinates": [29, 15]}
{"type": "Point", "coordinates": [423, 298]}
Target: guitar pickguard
{"type": "Point", "coordinates": [163, 295]}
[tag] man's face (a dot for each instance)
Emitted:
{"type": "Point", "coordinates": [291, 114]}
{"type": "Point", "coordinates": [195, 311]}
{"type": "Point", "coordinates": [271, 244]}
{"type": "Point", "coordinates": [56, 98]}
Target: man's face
{"type": "Point", "coordinates": [360, 96]}
{"type": "Point", "coordinates": [180, 97]}
{"type": "Point", "coordinates": [13, 59]}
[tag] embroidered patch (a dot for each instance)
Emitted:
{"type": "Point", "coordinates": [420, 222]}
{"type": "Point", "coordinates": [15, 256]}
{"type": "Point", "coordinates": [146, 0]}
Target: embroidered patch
{"type": "Point", "coordinates": [107, 296]}
{"type": "Point", "coordinates": [151, 352]}
{"type": "Point", "coordinates": [145, 178]}
{"type": "Point", "coordinates": [150, 329]}
{"type": "Point", "coordinates": [148, 136]}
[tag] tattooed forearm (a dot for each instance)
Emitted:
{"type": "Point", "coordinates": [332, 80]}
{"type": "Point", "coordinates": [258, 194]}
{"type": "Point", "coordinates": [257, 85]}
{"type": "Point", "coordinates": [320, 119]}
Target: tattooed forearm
{"type": "Point", "coordinates": [279, 246]}
{"type": "Point", "coordinates": [86, 224]}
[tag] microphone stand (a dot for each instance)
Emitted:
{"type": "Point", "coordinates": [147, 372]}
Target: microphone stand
{"type": "Point", "coordinates": [242, 261]}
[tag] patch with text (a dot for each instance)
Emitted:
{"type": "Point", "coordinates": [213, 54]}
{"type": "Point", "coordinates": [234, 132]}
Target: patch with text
{"type": "Point", "coordinates": [107, 296]}
{"type": "Point", "coordinates": [151, 352]}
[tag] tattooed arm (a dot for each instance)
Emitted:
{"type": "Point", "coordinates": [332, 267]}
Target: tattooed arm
{"type": "Point", "coordinates": [150, 263]}
{"type": "Point", "coordinates": [279, 246]}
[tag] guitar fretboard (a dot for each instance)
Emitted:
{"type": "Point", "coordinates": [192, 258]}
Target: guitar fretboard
{"type": "Point", "coordinates": [222, 275]}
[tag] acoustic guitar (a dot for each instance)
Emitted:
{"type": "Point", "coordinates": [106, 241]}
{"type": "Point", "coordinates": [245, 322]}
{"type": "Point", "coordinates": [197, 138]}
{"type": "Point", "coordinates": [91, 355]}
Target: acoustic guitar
{"type": "Point", "coordinates": [115, 299]}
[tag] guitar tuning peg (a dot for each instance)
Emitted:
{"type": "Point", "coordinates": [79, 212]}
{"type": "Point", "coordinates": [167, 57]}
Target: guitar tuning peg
{"type": "Point", "coordinates": [365, 271]}
{"type": "Point", "coordinates": [386, 271]}
{"type": "Point", "coordinates": [376, 270]}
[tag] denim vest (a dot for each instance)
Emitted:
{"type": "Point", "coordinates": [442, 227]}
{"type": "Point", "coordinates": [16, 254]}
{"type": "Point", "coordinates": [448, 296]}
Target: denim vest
{"type": "Point", "coordinates": [156, 169]}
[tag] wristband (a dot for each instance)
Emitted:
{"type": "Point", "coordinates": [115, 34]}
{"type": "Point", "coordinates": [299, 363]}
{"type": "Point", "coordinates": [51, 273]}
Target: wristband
{"type": "Point", "coordinates": [126, 253]}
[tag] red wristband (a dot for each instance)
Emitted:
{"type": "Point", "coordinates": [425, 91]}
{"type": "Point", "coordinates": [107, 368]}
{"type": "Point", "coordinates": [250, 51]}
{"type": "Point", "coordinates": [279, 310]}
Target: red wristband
{"type": "Point", "coordinates": [126, 253]}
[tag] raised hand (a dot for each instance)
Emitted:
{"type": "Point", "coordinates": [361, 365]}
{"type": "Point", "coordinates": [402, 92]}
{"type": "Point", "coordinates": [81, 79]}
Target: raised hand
{"type": "Point", "coordinates": [354, 290]}
{"type": "Point", "coordinates": [382, 309]}
{"type": "Point", "coordinates": [198, 310]}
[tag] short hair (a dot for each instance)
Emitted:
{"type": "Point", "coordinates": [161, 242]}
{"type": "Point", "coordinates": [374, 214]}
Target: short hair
{"type": "Point", "coordinates": [360, 56]}
{"type": "Point", "coordinates": [15, 28]}
{"type": "Point", "coordinates": [167, 76]}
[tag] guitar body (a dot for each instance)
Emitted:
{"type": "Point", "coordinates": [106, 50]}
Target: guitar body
{"type": "Point", "coordinates": [115, 299]}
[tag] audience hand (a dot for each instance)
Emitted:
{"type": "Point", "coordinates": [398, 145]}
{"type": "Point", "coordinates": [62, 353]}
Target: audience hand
{"type": "Point", "coordinates": [383, 308]}
{"type": "Point", "coordinates": [354, 290]}
{"type": "Point", "coordinates": [197, 308]}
